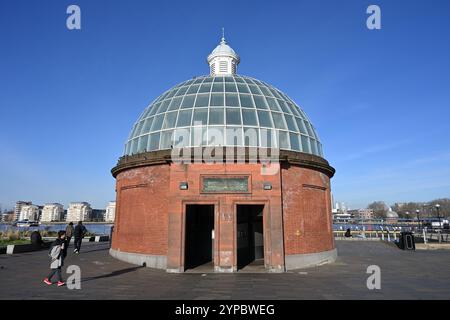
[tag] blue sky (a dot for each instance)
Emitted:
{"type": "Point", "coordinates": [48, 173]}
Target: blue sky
{"type": "Point", "coordinates": [380, 99]}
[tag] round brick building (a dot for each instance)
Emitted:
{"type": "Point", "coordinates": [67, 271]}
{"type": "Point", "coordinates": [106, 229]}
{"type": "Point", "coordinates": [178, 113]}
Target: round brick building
{"type": "Point", "coordinates": [223, 171]}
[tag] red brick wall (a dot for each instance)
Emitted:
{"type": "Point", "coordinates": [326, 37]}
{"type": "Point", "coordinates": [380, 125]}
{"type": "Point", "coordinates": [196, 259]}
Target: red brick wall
{"type": "Point", "coordinates": [306, 211]}
{"type": "Point", "coordinates": [141, 214]}
{"type": "Point", "coordinates": [225, 226]}
{"type": "Point", "coordinates": [150, 208]}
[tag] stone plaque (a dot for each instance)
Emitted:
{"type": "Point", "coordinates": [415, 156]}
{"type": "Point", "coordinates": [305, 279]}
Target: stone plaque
{"type": "Point", "coordinates": [225, 184]}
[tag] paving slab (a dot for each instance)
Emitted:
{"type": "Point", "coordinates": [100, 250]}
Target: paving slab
{"type": "Point", "coordinates": [421, 274]}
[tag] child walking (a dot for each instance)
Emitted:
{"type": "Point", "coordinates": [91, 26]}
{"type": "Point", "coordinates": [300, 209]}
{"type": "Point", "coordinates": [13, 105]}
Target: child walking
{"type": "Point", "coordinates": [57, 259]}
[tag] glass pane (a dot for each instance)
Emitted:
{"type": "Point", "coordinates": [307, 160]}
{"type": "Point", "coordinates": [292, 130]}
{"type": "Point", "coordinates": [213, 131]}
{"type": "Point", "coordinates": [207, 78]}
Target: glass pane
{"type": "Point", "coordinates": [139, 128]}
{"type": "Point", "coordinates": [246, 101]}
{"type": "Point", "coordinates": [234, 136]}
{"type": "Point", "coordinates": [273, 105]}
{"type": "Point", "coordinates": [171, 93]}
{"type": "Point", "coordinates": [204, 88]}
{"type": "Point", "coordinates": [200, 117]}
{"type": "Point", "coordinates": [154, 141]}
{"type": "Point", "coordinates": [215, 136]}
{"type": "Point", "coordinates": [164, 106]}
{"type": "Point", "coordinates": [295, 144]}
{"type": "Point", "coordinates": [249, 117]}
{"type": "Point", "coordinates": [308, 128]}
{"type": "Point", "coordinates": [264, 119]}
{"type": "Point", "coordinates": [198, 136]}
{"type": "Point", "coordinates": [216, 116]}
{"type": "Point", "coordinates": [188, 102]}
{"type": "Point", "coordinates": [268, 138]}
{"type": "Point", "coordinates": [175, 104]}
{"type": "Point", "coordinates": [284, 106]}
{"type": "Point", "coordinates": [202, 100]}
{"type": "Point", "coordinates": [198, 80]}
{"type": "Point", "coordinates": [260, 102]}
{"type": "Point", "coordinates": [233, 116]}
{"type": "Point", "coordinates": [290, 122]}
{"type": "Point", "coordinates": [242, 88]}
{"type": "Point", "coordinates": [229, 79]}
{"type": "Point", "coordinates": [184, 118]}
{"type": "Point", "coordinates": [265, 91]}
{"type": "Point", "coordinates": [283, 140]}
{"type": "Point", "coordinates": [128, 148]}
{"type": "Point", "coordinates": [254, 89]}
{"type": "Point", "coordinates": [208, 80]}
{"type": "Point", "coordinates": [147, 125]}
{"type": "Point", "coordinates": [166, 139]}
{"type": "Point", "coordinates": [193, 89]}
{"type": "Point", "coordinates": [143, 143]}
{"type": "Point", "coordinates": [155, 108]}
{"type": "Point", "coordinates": [231, 100]}
{"type": "Point", "coordinates": [218, 79]}
{"type": "Point", "coordinates": [134, 146]}
{"type": "Point", "coordinates": [275, 93]}
{"type": "Point", "coordinates": [230, 87]}
{"type": "Point", "coordinates": [305, 144]}
{"type": "Point", "coordinates": [182, 91]}
{"type": "Point", "coordinates": [301, 125]}
{"type": "Point", "coordinates": [278, 120]}
{"type": "Point", "coordinates": [319, 147]}
{"type": "Point", "coordinates": [313, 146]}
{"type": "Point", "coordinates": [217, 87]}
{"type": "Point", "coordinates": [181, 138]}
{"type": "Point", "coordinates": [169, 120]}
{"type": "Point", "coordinates": [251, 137]}
{"type": "Point", "coordinates": [217, 99]}
{"type": "Point", "coordinates": [294, 109]}
{"type": "Point", "coordinates": [157, 123]}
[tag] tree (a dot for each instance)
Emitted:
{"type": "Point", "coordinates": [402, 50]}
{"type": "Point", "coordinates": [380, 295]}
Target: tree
{"type": "Point", "coordinates": [379, 209]}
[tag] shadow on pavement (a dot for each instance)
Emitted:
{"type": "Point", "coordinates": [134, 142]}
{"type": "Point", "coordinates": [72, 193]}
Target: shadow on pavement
{"type": "Point", "coordinates": [113, 274]}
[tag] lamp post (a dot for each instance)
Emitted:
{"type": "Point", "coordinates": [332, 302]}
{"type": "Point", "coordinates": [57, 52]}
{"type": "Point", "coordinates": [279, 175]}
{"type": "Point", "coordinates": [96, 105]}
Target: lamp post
{"type": "Point", "coordinates": [418, 221]}
{"type": "Point", "coordinates": [439, 217]}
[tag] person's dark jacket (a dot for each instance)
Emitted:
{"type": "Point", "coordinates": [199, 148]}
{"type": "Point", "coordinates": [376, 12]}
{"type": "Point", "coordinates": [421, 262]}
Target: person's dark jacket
{"type": "Point", "coordinates": [79, 231]}
{"type": "Point", "coordinates": [36, 238]}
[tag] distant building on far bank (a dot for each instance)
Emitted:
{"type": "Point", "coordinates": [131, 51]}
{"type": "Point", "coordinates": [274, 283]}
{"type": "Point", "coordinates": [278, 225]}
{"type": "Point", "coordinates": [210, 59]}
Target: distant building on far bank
{"type": "Point", "coordinates": [52, 212]}
{"type": "Point", "coordinates": [29, 212]}
{"type": "Point", "coordinates": [362, 214]}
{"type": "Point", "coordinates": [8, 216]}
{"type": "Point", "coordinates": [79, 211]}
{"type": "Point", "coordinates": [110, 213]}
{"type": "Point", "coordinates": [18, 208]}
{"type": "Point", "coordinates": [98, 215]}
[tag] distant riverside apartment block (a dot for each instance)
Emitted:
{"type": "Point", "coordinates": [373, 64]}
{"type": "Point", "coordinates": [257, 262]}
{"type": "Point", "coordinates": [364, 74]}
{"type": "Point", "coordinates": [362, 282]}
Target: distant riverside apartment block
{"type": "Point", "coordinates": [29, 212]}
{"type": "Point", "coordinates": [365, 214]}
{"type": "Point", "coordinates": [52, 212]}
{"type": "Point", "coordinates": [79, 211]}
{"type": "Point", "coordinates": [110, 213]}
{"type": "Point", "coordinates": [18, 208]}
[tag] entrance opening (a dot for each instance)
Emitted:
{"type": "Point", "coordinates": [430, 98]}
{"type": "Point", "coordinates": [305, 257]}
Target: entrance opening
{"type": "Point", "coordinates": [250, 237]}
{"type": "Point", "coordinates": [199, 238]}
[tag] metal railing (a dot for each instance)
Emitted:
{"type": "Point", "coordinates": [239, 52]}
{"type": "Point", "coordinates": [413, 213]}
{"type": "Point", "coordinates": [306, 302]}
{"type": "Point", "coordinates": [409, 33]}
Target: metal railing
{"type": "Point", "coordinates": [421, 235]}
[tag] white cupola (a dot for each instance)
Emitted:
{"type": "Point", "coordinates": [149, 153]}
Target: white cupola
{"type": "Point", "coordinates": [223, 60]}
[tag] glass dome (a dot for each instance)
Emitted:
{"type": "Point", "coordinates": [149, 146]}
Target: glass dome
{"type": "Point", "coordinates": [227, 110]}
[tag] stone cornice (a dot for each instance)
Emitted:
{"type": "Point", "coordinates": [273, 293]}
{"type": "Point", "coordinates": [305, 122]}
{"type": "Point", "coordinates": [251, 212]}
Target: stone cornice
{"type": "Point", "coordinates": [165, 157]}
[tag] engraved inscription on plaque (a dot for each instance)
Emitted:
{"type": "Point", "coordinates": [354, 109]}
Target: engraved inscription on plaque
{"type": "Point", "coordinates": [225, 184]}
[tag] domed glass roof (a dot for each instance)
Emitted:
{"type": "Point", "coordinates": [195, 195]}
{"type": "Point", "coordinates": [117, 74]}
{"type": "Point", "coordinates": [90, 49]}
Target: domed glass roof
{"type": "Point", "coordinates": [227, 110]}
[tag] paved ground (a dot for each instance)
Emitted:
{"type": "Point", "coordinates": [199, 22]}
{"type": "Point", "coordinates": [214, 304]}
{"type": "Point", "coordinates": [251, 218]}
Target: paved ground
{"type": "Point", "coordinates": [404, 275]}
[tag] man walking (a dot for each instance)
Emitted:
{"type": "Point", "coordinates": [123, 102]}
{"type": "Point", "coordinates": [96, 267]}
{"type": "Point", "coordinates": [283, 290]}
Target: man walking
{"type": "Point", "coordinates": [57, 259]}
{"type": "Point", "coordinates": [79, 233]}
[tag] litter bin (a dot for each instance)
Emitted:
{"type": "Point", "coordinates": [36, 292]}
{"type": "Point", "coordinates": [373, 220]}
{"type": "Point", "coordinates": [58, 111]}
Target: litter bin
{"type": "Point", "coordinates": [406, 241]}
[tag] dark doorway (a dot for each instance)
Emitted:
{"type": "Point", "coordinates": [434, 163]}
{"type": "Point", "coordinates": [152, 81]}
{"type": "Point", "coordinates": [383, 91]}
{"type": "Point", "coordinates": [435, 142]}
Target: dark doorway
{"type": "Point", "coordinates": [250, 236]}
{"type": "Point", "coordinates": [199, 236]}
